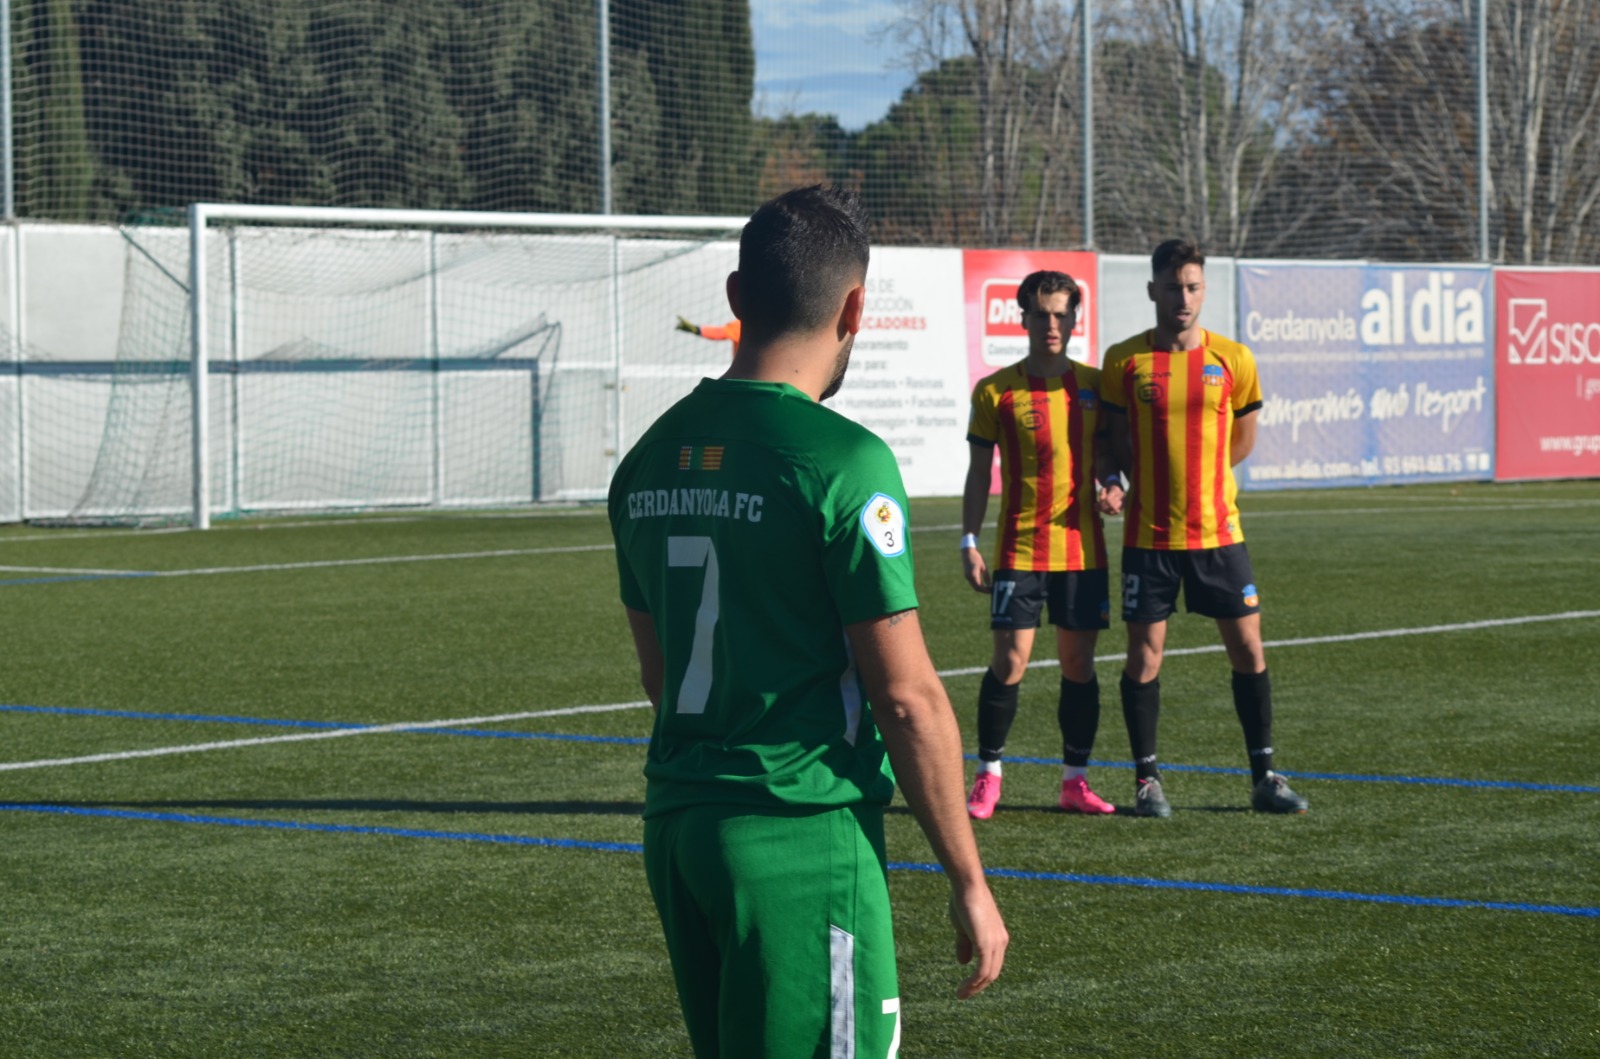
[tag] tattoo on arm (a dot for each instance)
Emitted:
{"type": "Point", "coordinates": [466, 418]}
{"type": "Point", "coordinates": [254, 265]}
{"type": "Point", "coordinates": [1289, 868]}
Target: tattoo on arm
{"type": "Point", "coordinates": [896, 619]}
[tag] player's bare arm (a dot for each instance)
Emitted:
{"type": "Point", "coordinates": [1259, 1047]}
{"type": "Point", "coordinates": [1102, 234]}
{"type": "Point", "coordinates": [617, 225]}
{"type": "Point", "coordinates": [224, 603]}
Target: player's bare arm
{"type": "Point", "coordinates": [974, 503]}
{"type": "Point", "coordinates": [652, 665]}
{"type": "Point", "coordinates": [1242, 438]}
{"type": "Point", "coordinates": [919, 730]}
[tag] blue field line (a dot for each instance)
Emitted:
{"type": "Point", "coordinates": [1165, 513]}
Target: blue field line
{"type": "Point", "coordinates": [615, 740]}
{"type": "Point", "coordinates": [337, 829]}
{"type": "Point", "coordinates": [1267, 891]}
{"type": "Point", "coordinates": [61, 579]}
{"type": "Point", "coordinates": [907, 866]}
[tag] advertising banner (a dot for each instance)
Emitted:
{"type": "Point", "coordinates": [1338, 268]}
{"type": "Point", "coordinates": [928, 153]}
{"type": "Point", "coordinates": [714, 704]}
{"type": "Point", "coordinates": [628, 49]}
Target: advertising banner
{"type": "Point", "coordinates": [1371, 374]}
{"type": "Point", "coordinates": [907, 381]}
{"type": "Point", "coordinates": [1547, 374]}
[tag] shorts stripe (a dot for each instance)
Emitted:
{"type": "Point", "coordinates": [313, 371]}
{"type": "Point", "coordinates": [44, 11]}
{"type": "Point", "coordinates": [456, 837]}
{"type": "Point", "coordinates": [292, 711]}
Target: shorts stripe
{"type": "Point", "coordinates": [842, 992]}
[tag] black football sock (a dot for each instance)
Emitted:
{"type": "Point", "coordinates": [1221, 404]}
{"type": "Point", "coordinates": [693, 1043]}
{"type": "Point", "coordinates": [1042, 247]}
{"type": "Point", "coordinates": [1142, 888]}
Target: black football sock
{"type": "Point", "coordinates": [1079, 717]}
{"type": "Point", "coordinates": [997, 709]}
{"type": "Point", "coordinates": [1141, 708]}
{"type": "Point", "coordinates": [1252, 701]}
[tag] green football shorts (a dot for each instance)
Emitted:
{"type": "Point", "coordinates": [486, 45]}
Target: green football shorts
{"type": "Point", "coordinates": [779, 930]}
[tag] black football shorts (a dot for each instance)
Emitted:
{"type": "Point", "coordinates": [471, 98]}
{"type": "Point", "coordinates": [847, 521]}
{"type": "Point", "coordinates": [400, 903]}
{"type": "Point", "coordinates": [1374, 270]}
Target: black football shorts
{"type": "Point", "coordinates": [1216, 582]}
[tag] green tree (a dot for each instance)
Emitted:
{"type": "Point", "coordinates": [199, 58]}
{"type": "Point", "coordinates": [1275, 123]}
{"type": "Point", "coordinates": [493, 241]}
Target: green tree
{"type": "Point", "coordinates": [702, 65]}
{"type": "Point", "coordinates": [57, 170]}
{"type": "Point", "coordinates": [795, 150]}
{"type": "Point", "coordinates": [483, 104]}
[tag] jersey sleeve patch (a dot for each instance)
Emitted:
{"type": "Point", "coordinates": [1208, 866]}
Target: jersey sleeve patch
{"type": "Point", "coordinates": [884, 523]}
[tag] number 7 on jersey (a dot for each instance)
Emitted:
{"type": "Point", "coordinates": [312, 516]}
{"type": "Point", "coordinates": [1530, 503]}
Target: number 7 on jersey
{"type": "Point", "coordinates": [696, 687]}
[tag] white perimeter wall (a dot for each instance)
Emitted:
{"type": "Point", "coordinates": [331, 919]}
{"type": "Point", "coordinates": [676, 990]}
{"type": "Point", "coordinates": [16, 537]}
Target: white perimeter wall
{"type": "Point", "coordinates": [62, 294]}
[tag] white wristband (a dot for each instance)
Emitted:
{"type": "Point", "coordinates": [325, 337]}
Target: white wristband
{"type": "Point", "coordinates": [969, 540]}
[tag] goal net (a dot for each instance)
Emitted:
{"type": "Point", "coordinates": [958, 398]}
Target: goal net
{"type": "Point", "coordinates": [280, 359]}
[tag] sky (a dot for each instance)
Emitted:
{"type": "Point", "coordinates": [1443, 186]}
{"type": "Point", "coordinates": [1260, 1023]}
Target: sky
{"type": "Point", "coordinates": [826, 57]}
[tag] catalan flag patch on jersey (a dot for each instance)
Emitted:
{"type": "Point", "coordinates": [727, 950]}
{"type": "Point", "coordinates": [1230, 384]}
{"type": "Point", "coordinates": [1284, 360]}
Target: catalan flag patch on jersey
{"type": "Point", "coordinates": [700, 458]}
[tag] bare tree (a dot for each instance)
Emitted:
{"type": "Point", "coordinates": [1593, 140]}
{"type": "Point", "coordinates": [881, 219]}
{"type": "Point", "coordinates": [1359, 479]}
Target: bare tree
{"type": "Point", "coordinates": [1545, 103]}
{"type": "Point", "coordinates": [1398, 107]}
{"type": "Point", "coordinates": [1222, 93]}
{"type": "Point", "coordinates": [1020, 52]}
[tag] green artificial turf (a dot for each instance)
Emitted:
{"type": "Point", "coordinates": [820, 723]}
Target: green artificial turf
{"type": "Point", "coordinates": [478, 892]}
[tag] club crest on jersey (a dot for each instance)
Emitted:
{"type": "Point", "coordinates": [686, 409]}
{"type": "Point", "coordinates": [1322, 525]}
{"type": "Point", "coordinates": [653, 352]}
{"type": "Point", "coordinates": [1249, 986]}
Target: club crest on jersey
{"type": "Point", "coordinates": [1212, 375]}
{"type": "Point", "coordinates": [885, 525]}
{"type": "Point", "coordinates": [1251, 597]}
{"type": "Point", "coordinates": [1086, 398]}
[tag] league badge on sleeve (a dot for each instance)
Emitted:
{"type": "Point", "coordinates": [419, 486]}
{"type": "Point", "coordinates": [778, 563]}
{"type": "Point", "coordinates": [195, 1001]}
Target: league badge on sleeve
{"type": "Point", "coordinates": [885, 525]}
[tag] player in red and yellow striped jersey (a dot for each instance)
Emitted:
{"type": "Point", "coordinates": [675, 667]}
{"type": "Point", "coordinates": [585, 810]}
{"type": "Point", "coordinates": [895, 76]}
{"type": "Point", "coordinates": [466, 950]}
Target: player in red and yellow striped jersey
{"type": "Point", "coordinates": [1181, 404]}
{"type": "Point", "coordinates": [1186, 405]}
{"type": "Point", "coordinates": [1043, 413]}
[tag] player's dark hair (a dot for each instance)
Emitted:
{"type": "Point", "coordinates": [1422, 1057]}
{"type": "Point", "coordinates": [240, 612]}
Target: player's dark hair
{"type": "Point", "coordinates": [1175, 253]}
{"type": "Point", "coordinates": [797, 256]}
{"type": "Point", "coordinates": [1045, 281]}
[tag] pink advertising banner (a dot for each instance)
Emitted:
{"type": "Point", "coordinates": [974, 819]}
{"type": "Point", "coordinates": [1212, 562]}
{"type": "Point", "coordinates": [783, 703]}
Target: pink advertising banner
{"type": "Point", "coordinates": [995, 337]}
{"type": "Point", "coordinates": [1547, 374]}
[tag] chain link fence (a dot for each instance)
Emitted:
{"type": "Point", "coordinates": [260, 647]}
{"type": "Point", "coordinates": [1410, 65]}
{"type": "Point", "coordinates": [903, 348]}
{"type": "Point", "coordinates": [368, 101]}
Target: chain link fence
{"type": "Point", "coordinates": [1267, 128]}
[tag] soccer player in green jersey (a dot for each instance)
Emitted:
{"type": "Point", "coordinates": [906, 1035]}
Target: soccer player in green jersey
{"type": "Point", "coordinates": [766, 575]}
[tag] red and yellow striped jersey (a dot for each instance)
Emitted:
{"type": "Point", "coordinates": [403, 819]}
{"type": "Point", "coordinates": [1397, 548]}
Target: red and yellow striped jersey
{"type": "Point", "coordinates": [1045, 428]}
{"type": "Point", "coordinates": [1180, 408]}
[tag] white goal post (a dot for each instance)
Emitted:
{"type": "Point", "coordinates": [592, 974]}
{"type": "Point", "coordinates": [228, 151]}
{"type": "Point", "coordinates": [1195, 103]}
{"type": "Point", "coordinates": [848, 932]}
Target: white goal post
{"type": "Point", "coordinates": [479, 297]}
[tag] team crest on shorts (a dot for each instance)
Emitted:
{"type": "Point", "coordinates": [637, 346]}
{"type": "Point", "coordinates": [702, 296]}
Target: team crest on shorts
{"type": "Point", "coordinates": [885, 525]}
{"type": "Point", "coordinates": [1252, 598]}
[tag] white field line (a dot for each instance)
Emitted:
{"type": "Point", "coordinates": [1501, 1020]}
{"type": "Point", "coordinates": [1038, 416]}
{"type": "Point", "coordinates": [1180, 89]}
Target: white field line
{"type": "Point", "coordinates": [1349, 637]}
{"type": "Point", "coordinates": [322, 564]}
{"type": "Point", "coordinates": [319, 564]}
{"type": "Point", "coordinates": [1416, 505]}
{"type": "Point", "coordinates": [315, 564]}
{"type": "Point", "coordinates": [326, 733]}
{"type": "Point", "coordinates": [462, 722]}
{"type": "Point", "coordinates": [272, 524]}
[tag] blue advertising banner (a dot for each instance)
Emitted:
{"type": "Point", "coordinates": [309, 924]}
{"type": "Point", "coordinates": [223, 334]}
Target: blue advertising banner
{"type": "Point", "coordinates": [1371, 374]}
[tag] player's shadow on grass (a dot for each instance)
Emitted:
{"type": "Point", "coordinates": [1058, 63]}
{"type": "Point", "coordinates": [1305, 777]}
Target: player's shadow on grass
{"type": "Point", "coordinates": [380, 805]}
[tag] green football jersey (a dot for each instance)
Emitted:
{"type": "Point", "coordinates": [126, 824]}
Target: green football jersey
{"type": "Point", "coordinates": [753, 525]}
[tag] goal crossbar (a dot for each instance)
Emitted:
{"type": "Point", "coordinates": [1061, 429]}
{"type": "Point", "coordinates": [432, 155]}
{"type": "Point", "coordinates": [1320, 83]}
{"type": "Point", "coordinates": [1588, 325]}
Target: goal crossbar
{"type": "Point", "coordinates": [203, 215]}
